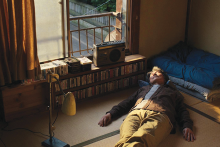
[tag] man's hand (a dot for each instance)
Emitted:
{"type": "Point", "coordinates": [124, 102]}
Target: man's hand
{"type": "Point", "coordinates": [188, 134]}
{"type": "Point", "coordinates": [105, 120]}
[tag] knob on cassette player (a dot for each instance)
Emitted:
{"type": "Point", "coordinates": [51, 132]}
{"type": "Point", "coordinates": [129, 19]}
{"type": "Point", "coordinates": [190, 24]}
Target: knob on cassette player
{"type": "Point", "coordinates": [108, 53]}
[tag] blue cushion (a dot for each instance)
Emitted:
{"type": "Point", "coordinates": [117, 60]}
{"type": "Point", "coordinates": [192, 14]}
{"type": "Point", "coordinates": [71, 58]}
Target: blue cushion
{"type": "Point", "coordinates": [204, 60]}
{"type": "Point", "coordinates": [199, 76]}
{"type": "Point", "coordinates": [142, 83]}
{"type": "Point", "coordinates": [190, 64]}
{"type": "Point", "coordinates": [179, 52]}
{"type": "Point", "coordinates": [170, 66]}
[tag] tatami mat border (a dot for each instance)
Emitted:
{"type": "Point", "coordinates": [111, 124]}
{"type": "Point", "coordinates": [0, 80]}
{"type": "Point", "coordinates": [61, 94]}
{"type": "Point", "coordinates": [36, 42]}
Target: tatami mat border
{"type": "Point", "coordinates": [97, 139]}
{"type": "Point", "coordinates": [118, 131]}
{"type": "Point", "coordinates": [203, 114]}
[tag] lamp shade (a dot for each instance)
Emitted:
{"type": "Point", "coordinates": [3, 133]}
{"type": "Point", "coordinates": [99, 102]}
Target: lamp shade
{"type": "Point", "coordinates": [69, 104]}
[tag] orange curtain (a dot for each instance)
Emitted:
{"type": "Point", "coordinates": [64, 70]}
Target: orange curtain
{"type": "Point", "coordinates": [18, 48]}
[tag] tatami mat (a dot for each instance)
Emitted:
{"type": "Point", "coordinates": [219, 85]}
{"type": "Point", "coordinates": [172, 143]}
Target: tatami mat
{"type": "Point", "coordinates": [190, 100]}
{"type": "Point", "coordinates": [71, 129]}
{"type": "Point", "coordinates": [90, 112]}
{"type": "Point", "coordinates": [212, 109]}
{"type": "Point", "coordinates": [206, 132]}
{"type": "Point", "coordinates": [83, 127]}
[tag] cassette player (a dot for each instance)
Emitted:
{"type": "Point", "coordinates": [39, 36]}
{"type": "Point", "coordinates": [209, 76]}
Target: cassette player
{"type": "Point", "coordinates": [108, 53]}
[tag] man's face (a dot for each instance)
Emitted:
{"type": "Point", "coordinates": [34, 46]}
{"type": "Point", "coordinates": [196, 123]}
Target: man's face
{"type": "Point", "coordinates": [156, 77]}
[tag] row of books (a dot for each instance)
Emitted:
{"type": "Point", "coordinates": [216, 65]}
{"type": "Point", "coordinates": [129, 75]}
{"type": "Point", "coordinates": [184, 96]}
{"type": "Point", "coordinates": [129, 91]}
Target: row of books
{"type": "Point", "coordinates": [58, 67]}
{"type": "Point", "coordinates": [61, 67]}
{"type": "Point", "coordinates": [103, 88]}
{"type": "Point", "coordinates": [99, 76]}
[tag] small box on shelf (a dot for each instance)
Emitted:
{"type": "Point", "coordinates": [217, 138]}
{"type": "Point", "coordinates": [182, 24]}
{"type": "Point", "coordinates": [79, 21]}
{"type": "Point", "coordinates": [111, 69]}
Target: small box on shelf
{"type": "Point", "coordinates": [73, 65]}
{"type": "Point", "coordinates": [85, 63]}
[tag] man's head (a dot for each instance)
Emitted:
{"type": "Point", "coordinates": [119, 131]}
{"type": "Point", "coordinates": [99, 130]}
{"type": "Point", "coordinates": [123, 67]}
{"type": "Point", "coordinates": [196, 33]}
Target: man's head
{"type": "Point", "coordinates": [157, 76]}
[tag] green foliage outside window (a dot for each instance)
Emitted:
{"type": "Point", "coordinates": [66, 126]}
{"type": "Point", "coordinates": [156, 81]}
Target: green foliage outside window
{"type": "Point", "coordinates": [109, 6]}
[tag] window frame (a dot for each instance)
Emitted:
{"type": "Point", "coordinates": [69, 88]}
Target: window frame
{"type": "Point", "coordinates": [132, 31]}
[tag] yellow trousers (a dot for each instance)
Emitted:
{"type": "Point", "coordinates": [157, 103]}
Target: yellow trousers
{"type": "Point", "coordinates": [144, 128]}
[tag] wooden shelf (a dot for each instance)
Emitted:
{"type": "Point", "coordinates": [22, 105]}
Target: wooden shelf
{"type": "Point", "coordinates": [22, 100]}
{"type": "Point", "coordinates": [139, 59]}
{"type": "Point", "coordinates": [99, 82]}
{"type": "Point", "coordinates": [128, 60]}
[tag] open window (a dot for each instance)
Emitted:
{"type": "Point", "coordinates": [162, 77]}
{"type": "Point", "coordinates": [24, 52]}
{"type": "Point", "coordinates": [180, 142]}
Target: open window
{"type": "Point", "coordinates": [93, 22]}
{"type": "Point", "coordinates": [68, 28]}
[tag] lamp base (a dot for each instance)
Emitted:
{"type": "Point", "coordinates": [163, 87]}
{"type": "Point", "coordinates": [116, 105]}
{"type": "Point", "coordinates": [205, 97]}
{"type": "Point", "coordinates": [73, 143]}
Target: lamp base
{"type": "Point", "coordinates": [55, 143]}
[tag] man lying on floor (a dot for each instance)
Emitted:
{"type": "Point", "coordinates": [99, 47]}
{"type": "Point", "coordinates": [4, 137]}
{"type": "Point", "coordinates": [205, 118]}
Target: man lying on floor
{"type": "Point", "coordinates": [154, 110]}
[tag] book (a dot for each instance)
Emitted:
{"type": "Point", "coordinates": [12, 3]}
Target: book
{"type": "Point", "coordinates": [78, 81]}
{"type": "Point", "coordinates": [122, 70]}
{"type": "Point", "coordinates": [62, 67]}
{"type": "Point", "coordinates": [73, 82]}
{"type": "Point", "coordinates": [84, 60]}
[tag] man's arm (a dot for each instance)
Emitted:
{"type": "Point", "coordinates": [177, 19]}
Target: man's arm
{"type": "Point", "coordinates": [184, 119]}
{"type": "Point", "coordinates": [119, 110]}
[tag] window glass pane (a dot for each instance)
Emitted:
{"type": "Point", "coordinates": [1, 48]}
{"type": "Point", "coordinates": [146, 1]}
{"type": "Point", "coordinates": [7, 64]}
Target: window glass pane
{"type": "Point", "coordinates": [75, 41]}
{"type": "Point", "coordinates": [73, 25]}
{"type": "Point", "coordinates": [100, 24]}
{"type": "Point", "coordinates": [49, 29]}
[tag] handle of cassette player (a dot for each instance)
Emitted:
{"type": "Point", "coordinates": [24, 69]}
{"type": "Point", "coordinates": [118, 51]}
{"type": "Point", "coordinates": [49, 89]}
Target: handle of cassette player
{"type": "Point", "coordinates": [105, 43]}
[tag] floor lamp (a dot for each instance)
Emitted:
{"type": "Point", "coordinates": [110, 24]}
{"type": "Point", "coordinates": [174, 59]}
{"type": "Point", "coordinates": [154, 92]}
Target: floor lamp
{"type": "Point", "coordinates": [68, 108]}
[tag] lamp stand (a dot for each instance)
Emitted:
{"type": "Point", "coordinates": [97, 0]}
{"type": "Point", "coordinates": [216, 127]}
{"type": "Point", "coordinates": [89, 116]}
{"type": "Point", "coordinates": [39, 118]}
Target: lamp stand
{"type": "Point", "coordinates": [52, 141]}
{"type": "Point", "coordinates": [55, 143]}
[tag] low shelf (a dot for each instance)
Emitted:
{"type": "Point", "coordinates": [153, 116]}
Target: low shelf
{"type": "Point", "coordinates": [22, 100]}
{"type": "Point", "coordinates": [126, 75]}
{"type": "Point", "coordinates": [99, 82]}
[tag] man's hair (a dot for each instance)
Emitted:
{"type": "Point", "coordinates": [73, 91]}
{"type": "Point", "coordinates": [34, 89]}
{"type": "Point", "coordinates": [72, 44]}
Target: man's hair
{"type": "Point", "coordinates": [155, 68]}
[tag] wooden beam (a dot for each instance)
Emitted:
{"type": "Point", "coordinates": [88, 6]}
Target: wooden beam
{"type": "Point", "coordinates": [134, 26]}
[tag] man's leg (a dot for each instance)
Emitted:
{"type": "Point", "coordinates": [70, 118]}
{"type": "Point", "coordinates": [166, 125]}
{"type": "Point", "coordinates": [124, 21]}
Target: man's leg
{"type": "Point", "coordinates": [129, 126]}
{"type": "Point", "coordinates": [154, 127]}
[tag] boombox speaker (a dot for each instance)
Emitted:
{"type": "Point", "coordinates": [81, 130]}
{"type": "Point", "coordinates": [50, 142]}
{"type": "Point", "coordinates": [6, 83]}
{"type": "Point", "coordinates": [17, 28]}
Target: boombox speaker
{"type": "Point", "coordinates": [108, 53]}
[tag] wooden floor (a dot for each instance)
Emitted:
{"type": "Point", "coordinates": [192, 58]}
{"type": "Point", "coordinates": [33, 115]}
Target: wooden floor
{"type": "Point", "coordinates": [83, 130]}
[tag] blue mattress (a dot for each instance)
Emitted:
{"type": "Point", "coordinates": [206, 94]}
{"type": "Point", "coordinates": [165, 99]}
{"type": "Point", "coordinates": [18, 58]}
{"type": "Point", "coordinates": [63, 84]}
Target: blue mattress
{"type": "Point", "coordinates": [189, 64]}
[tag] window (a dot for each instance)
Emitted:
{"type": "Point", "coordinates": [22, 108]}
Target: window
{"type": "Point", "coordinates": [93, 22]}
{"type": "Point", "coordinates": [87, 24]}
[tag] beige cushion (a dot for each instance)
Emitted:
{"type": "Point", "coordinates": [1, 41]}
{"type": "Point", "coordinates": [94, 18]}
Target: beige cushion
{"type": "Point", "coordinates": [213, 95]}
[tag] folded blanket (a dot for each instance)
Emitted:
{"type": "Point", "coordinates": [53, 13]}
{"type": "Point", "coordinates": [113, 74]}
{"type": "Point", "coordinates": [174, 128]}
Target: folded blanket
{"type": "Point", "coordinates": [190, 64]}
